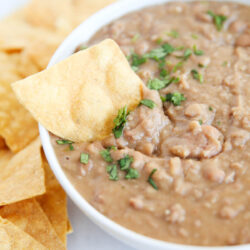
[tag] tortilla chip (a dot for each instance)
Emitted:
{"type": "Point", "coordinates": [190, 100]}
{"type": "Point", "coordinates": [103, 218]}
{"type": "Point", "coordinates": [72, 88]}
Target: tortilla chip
{"type": "Point", "coordinates": [22, 176]}
{"type": "Point", "coordinates": [2, 143]}
{"type": "Point", "coordinates": [30, 218]}
{"type": "Point", "coordinates": [78, 98]}
{"type": "Point", "coordinates": [69, 227]}
{"type": "Point", "coordinates": [54, 203]}
{"type": "Point", "coordinates": [12, 237]}
{"type": "Point", "coordinates": [17, 126]}
{"type": "Point", "coordinates": [61, 16]}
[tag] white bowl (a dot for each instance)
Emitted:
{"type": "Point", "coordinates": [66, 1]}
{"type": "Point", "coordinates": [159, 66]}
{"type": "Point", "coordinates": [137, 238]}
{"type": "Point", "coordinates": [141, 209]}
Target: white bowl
{"type": "Point", "coordinates": [82, 34]}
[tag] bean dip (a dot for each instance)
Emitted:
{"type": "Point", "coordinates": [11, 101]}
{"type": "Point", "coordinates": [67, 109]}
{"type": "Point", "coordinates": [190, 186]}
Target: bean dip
{"type": "Point", "coordinates": [177, 168]}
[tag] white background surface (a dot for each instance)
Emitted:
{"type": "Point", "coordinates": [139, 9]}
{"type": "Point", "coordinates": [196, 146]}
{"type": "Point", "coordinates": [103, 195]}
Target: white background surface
{"type": "Point", "coordinates": [86, 235]}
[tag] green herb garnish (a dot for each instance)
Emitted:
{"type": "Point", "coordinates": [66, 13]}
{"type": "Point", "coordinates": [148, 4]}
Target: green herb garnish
{"type": "Point", "coordinates": [151, 181]}
{"type": "Point", "coordinates": [112, 171]}
{"type": "Point", "coordinates": [159, 40]}
{"type": "Point", "coordinates": [217, 19]}
{"type": "Point", "coordinates": [148, 103]}
{"type": "Point", "coordinates": [125, 162]}
{"type": "Point", "coordinates": [196, 75]}
{"type": "Point", "coordinates": [194, 36]}
{"type": "Point", "coordinates": [158, 84]}
{"type": "Point", "coordinates": [197, 52]}
{"type": "Point", "coordinates": [159, 53]}
{"type": "Point", "coordinates": [83, 47]}
{"type": "Point", "coordinates": [175, 98]}
{"type": "Point", "coordinates": [201, 65]}
{"type": "Point", "coordinates": [210, 108]}
{"type": "Point", "coordinates": [136, 61]}
{"type": "Point", "coordinates": [187, 54]}
{"type": "Point", "coordinates": [173, 34]}
{"type": "Point", "coordinates": [62, 142]}
{"type": "Point", "coordinates": [120, 122]}
{"type": "Point", "coordinates": [135, 38]}
{"type": "Point", "coordinates": [224, 64]}
{"type": "Point", "coordinates": [106, 155]}
{"type": "Point", "coordinates": [200, 122]}
{"type": "Point", "coordinates": [132, 173]}
{"type": "Point", "coordinates": [84, 158]}
{"type": "Point", "coordinates": [177, 66]}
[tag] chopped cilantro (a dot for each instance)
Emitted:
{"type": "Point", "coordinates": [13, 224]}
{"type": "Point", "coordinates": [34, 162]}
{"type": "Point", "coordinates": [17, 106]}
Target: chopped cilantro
{"type": "Point", "coordinates": [62, 142]}
{"type": "Point", "coordinates": [159, 40]}
{"type": "Point", "coordinates": [197, 52]}
{"type": "Point", "coordinates": [112, 147]}
{"type": "Point", "coordinates": [217, 19]}
{"type": "Point", "coordinates": [201, 65]}
{"type": "Point", "coordinates": [196, 75]}
{"type": "Point", "coordinates": [177, 66]}
{"type": "Point", "coordinates": [112, 171]}
{"type": "Point", "coordinates": [132, 173]}
{"type": "Point", "coordinates": [200, 122]}
{"type": "Point", "coordinates": [135, 38]}
{"type": "Point", "coordinates": [158, 84]}
{"type": "Point", "coordinates": [176, 98]}
{"type": "Point", "coordinates": [151, 181]}
{"type": "Point", "coordinates": [224, 64]}
{"type": "Point", "coordinates": [210, 108]}
{"type": "Point", "coordinates": [84, 158]}
{"type": "Point", "coordinates": [148, 103]}
{"type": "Point", "coordinates": [218, 123]}
{"type": "Point", "coordinates": [173, 34]}
{"type": "Point", "coordinates": [163, 73]}
{"type": "Point", "coordinates": [136, 61]}
{"type": "Point", "coordinates": [83, 47]}
{"type": "Point", "coordinates": [106, 155]}
{"type": "Point", "coordinates": [180, 48]}
{"type": "Point", "coordinates": [71, 147]}
{"type": "Point", "coordinates": [159, 53]}
{"type": "Point", "coordinates": [125, 162]}
{"type": "Point", "coordinates": [194, 36]}
{"type": "Point", "coordinates": [120, 122]}
{"type": "Point", "coordinates": [187, 54]}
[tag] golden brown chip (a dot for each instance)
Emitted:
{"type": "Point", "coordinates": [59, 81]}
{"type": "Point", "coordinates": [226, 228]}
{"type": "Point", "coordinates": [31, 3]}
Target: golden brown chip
{"type": "Point", "coordinates": [22, 174]}
{"type": "Point", "coordinates": [54, 203]}
{"type": "Point", "coordinates": [12, 237]}
{"type": "Point", "coordinates": [2, 143]}
{"type": "Point", "coordinates": [17, 126]}
{"type": "Point", "coordinates": [69, 228]}
{"type": "Point", "coordinates": [61, 16]}
{"type": "Point", "coordinates": [79, 98]}
{"type": "Point", "coordinates": [30, 218]}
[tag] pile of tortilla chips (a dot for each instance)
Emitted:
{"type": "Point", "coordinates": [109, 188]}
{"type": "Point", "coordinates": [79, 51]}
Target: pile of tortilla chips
{"type": "Point", "coordinates": [33, 213]}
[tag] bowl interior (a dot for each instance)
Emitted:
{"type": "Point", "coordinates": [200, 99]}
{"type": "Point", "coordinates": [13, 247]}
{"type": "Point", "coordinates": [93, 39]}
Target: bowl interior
{"type": "Point", "coordinates": [80, 35]}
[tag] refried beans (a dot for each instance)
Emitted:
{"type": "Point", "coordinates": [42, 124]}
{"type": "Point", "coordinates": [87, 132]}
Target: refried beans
{"type": "Point", "coordinates": [180, 169]}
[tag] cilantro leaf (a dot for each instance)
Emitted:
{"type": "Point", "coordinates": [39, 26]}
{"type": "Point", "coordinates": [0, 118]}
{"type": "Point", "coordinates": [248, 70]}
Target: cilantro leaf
{"type": "Point", "coordinates": [132, 173]}
{"type": "Point", "coordinates": [217, 19]}
{"type": "Point", "coordinates": [196, 75]}
{"type": "Point", "coordinates": [62, 142]}
{"type": "Point", "coordinates": [173, 34]}
{"type": "Point", "coordinates": [197, 52]}
{"type": "Point", "coordinates": [187, 54]}
{"type": "Point", "coordinates": [158, 84]}
{"type": "Point", "coordinates": [112, 171]}
{"type": "Point", "coordinates": [136, 61]}
{"type": "Point", "coordinates": [106, 155]}
{"type": "Point", "coordinates": [120, 122]}
{"type": "Point", "coordinates": [148, 103]}
{"type": "Point", "coordinates": [177, 66]}
{"type": "Point", "coordinates": [176, 98]}
{"type": "Point", "coordinates": [84, 158]}
{"type": "Point", "coordinates": [159, 53]}
{"type": "Point", "coordinates": [125, 162]}
{"type": "Point", "coordinates": [151, 181]}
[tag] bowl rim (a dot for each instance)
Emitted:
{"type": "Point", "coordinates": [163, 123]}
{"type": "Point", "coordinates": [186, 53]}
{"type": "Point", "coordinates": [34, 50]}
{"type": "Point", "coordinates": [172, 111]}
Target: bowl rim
{"type": "Point", "coordinates": [76, 37]}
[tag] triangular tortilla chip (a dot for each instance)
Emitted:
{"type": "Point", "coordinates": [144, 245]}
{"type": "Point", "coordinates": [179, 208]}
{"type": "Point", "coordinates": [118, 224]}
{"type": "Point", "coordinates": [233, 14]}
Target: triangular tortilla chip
{"type": "Point", "coordinates": [54, 203]}
{"type": "Point", "coordinates": [30, 218]}
{"type": "Point", "coordinates": [12, 237]}
{"type": "Point", "coordinates": [22, 176]}
{"type": "Point", "coordinates": [69, 228]}
{"type": "Point", "coordinates": [78, 98]}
